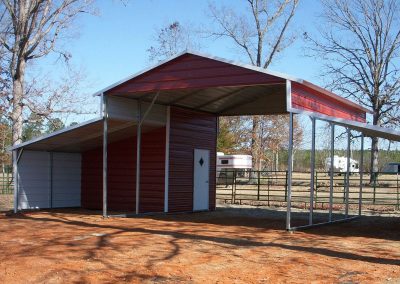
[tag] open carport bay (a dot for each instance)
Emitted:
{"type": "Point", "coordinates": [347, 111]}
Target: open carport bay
{"type": "Point", "coordinates": [231, 245]}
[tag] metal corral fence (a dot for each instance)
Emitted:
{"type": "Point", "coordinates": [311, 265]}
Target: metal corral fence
{"type": "Point", "coordinates": [270, 188]}
{"type": "Point", "coordinates": [6, 183]}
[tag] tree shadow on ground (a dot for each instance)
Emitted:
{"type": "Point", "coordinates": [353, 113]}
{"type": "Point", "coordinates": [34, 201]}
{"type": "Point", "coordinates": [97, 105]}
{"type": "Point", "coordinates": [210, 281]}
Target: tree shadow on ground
{"type": "Point", "coordinates": [237, 241]}
{"type": "Point", "coordinates": [377, 227]}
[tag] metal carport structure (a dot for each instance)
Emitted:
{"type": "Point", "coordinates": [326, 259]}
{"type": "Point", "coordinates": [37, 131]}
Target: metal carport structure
{"type": "Point", "coordinates": [218, 87]}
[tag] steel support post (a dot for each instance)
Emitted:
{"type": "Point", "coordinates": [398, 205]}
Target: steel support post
{"type": "Point", "coordinates": [105, 144]}
{"type": "Point", "coordinates": [166, 167]}
{"type": "Point", "coordinates": [15, 173]}
{"type": "Point", "coordinates": [347, 188]}
{"type": "Point", "coordinates": [361, 169]}
{"type": "Point", "coordinates": [290, 169]}
{"type": "Point", "coordinates": [51, 180]}
{"type": "Point", "coordinates": [312, 168]}
{"type": "Point", "coordinates": [331, 171]}
{"type": "Point", "coordinates": [138, 152]}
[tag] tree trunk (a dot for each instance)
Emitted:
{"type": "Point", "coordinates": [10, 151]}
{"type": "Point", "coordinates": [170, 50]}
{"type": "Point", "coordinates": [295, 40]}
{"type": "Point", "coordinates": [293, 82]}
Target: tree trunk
{"type": "Point", "coordinates": [374, 150]}
{"type": "Point", "coordinates": [255, 147]}
{"type": "Point", "coordinates": [374, 158]}
{"type": "Point", "coordinates": [18, 93]}
{"type": "Point", "coordinates": [255, 142]}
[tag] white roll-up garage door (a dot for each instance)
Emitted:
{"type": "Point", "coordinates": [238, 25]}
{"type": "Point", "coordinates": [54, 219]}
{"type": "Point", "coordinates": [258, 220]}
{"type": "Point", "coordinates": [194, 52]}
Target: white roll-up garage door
{"type": "Point", "coordinates": [49, 180]}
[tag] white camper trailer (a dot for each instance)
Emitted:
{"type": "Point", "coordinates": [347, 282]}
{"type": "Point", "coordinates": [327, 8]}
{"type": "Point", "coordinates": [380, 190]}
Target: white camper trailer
{"type": "Point", "coordinates": [233, 161]}
{"type": "Point", "coordinates": [228, 164]}
{"type": "Point", "coordinates": [340, 165]}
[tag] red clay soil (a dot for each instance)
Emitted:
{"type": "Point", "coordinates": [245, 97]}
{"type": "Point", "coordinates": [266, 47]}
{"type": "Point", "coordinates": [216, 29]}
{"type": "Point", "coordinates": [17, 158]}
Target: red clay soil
{"type": "Point", "coordinates": [227, 246]}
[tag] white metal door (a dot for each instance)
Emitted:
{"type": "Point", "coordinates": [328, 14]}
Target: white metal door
{"type": "Point", "coordinates": [201, 179]}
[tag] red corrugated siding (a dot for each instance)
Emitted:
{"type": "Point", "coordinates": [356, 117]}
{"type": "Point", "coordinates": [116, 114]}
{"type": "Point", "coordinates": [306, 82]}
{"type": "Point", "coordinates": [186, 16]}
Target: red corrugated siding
{"type": "Point", "coordinates": [192, 71]}
{"type": "Point", "coordinates": [189, 130]}
{"type": "Point", "coordinates": [152, 172]}
{"type": "Point", "coordinates": [122, 174]}
{"type": "Point", "coordinates": [305, 98]}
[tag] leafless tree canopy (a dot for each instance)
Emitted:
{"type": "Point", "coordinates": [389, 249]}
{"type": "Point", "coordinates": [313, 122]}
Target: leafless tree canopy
{"type": "Point", "coordinates": [360, 45]}
{"type": "Point", "coordinates": [30, 29]}
{"type": "Point", "coordinates": [261, 32]}
{"type": "Point", "coordinates": [171, 40]}
{"type": "Point", "coordinates": [362, 53]}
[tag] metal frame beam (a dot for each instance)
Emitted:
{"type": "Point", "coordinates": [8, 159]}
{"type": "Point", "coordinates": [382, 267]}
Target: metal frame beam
{"type": "Point", "coordinates": [331, 171]}
{"type": "Point", "coordinates": [166, 168]}
{"type": "Point", "coordinates": [290, 169]}
{"type": "Point", "coordinates": [233, 106]}
{"type": "Point", "coordinates": [347, 188]}
{"type": "Point", "coordinates": [138, 153]}
{"type": "Point", "coordinates": [15, 174]}
{"type": "Point", "coordinates": [323, 223]}
{"type": "Point", "coordinates": [361, 169]}
{"type": "Point", "coordinates": [105, 154]}
{"type": "Point", "coordinates": [235, 92]}
{"type": "Point", "coordinates": [142, 118]}
{"type": "Point", "coordinates": [312, 169]}
{"type": "Point", "coordinates": [184, 96]}
{"type": "Point", "coordinates": [51, 180]}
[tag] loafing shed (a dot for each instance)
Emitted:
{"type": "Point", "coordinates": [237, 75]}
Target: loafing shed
{"type": "Point", "coordinates": [154, 147]}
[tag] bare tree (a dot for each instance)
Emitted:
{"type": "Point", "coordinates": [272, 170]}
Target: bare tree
{"type": "Point", "coordinates": [30, 29]}
{"type": "Point", "coordinates": [5, 139]}
{"type": "Point", "coordinates": [274, 136]}
{"type": "Point", "coordinates": [261, 33]}
{"type": "Point", "coordinates": [360, 44]}
{"type": "Point", "coordinates": [171, 40]}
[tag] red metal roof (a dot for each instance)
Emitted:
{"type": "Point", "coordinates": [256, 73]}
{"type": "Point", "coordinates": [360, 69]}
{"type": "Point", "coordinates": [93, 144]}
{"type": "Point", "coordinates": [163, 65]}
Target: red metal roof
{"type": "Point", "coordinates": [194, 72]}
{"type": "Point", "coordinates": [225, 87]}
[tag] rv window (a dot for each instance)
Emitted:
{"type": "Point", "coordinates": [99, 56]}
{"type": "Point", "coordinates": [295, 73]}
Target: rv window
{"type": "Point", "coordinates": [224, 162]}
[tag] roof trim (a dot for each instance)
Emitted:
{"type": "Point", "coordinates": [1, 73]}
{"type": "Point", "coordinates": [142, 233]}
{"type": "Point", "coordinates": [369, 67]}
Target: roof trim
{"type": "Point", "coordinates": [352, 124]}
{"type": "Point", "coordinates": [55, 133]}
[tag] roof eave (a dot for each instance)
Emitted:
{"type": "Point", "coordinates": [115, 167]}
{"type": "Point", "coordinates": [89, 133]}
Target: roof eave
{"type": "Point", "coordinates": [55, 133]}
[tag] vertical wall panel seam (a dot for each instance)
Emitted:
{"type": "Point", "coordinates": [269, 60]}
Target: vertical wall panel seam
{"type": "Point", "coordinates": [51, 161]}
{"type": "Point", "coordinates": [166, 169]}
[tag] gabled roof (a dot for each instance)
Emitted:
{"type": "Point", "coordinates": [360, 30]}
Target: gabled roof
{"type": "Point", "coordinates": [216, 85]}
{"type": "Point", "coordinates": [202, 55]}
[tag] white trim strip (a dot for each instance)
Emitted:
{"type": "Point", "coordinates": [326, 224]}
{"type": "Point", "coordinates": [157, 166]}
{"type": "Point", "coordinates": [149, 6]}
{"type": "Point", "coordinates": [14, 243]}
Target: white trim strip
{"type": "Point", "coordinates": [288, 95]}
{"type": "Point", "coordinates": [166, 167]}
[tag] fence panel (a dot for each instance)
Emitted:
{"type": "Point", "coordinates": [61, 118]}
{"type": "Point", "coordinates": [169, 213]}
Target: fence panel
{"type": "Point", "coordinates": [270, 188]}
{"type": "Point", "coordinates": [6, 183]}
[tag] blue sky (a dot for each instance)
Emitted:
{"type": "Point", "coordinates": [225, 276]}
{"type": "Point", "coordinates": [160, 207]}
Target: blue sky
{"type": "Point", "coordinates": [113, 45]}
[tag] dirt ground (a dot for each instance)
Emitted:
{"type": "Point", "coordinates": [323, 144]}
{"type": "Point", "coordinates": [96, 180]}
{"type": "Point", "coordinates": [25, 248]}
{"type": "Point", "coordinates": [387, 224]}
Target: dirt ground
{"type": "Point", "coordinates": [6, 201]}
{"type": "Point", "coordinates": [227, 246]}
